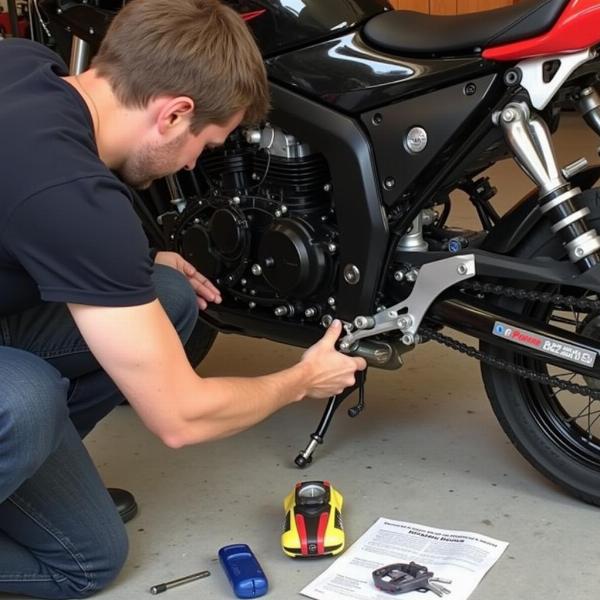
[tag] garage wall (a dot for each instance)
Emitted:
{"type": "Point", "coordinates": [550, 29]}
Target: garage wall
{"type": "Point", "coordinates": [449, 7]}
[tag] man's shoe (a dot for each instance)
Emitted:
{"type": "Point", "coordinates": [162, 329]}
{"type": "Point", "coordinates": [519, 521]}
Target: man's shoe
{"type": "Point", "coordinates": [125, 503]}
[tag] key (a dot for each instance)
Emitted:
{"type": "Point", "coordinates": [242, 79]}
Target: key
{"type": "Point", "coordinates": [438, 580]}
{"type": "Point", "coordinates": [437, 589]}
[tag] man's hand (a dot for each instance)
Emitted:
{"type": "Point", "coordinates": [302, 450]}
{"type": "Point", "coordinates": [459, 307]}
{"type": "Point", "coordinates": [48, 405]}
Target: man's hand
{"type": "Point", "coordinates": [204, 289]}
{"type": "Point", "coordinates": [330, 371]}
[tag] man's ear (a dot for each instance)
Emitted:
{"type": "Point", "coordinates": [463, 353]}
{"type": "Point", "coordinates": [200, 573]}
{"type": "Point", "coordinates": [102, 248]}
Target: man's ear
{"type": "Point", "coordinates": [174, 114]}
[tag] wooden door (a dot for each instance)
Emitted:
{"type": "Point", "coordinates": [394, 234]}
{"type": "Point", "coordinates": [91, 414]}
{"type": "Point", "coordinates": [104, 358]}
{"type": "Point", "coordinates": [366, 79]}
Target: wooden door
{"type": "Point", "coordinates": [449, 7]}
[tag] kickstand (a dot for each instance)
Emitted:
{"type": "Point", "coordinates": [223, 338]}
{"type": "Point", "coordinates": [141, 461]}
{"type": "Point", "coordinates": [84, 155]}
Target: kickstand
{"type": "Point", "coordinates": [305, 457]}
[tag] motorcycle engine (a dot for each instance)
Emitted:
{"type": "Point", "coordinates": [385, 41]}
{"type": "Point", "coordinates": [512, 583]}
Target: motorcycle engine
{"type": "Point", "coordinates": [257, 219]}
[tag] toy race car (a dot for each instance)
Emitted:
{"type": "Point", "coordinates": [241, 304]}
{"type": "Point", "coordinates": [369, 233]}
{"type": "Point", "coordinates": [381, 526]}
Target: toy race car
{"type": "Point", "coordinates": [313, 521]}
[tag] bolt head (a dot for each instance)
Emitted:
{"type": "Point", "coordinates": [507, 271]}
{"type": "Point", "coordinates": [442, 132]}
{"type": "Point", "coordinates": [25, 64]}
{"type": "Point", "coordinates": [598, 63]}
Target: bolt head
{"type": "Point", "coordinates": [412, 275]}
{"type": "Point", "coordinates": [331, 301]}
{"type": "Point", "coordinates": [326, 320]}
{"type": "Point", "coordinates": [404, 322]}
{"type": "Point", "coordinates": [351, 274]}
{"type": "Point", "coordinates": [462, 269]}
{"type": "Point", "coordinates": [251, 304]}
{"type": "Point", "coordinates": [278, 213]}
{"type": "Point", "coordinates": [579, 251]}
{"type": "Point", "coordinates": [508, 115]}
{"type": "Point", "coordinates": [408, 339]}
{"type": "Point", "coordinates": [332, 248]}
{"type": "Point", "coordinates": [256, 270]}
{"type": "Point", "coordinates": [399, 275]}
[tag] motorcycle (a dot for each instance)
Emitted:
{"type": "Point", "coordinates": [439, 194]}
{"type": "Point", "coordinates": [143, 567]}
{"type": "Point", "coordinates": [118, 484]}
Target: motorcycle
{"type": "Point", "coordinates": [338, 206]}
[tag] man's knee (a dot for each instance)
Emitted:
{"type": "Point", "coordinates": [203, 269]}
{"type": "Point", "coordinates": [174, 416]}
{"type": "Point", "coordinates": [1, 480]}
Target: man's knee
{"type": "Point", "coordinates": [33, 413]}
{"type": "Point", "coordinates": [178, 298]}
{"type": "Point", "coordinates": [98, 571]}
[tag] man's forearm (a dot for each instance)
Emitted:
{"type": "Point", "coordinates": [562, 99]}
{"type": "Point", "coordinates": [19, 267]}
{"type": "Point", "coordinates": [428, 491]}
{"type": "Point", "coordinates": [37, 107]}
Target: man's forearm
{"type": "Point", "coordinates": [139, 349]}
{"type": "Point", "coordinates": [221, 406]}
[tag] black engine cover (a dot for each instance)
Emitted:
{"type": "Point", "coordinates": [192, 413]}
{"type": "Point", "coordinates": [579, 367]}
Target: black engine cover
{"type": "Point", "coordinates": [197, 248]}
{"type": "Point", "coordinates": [293, 263]}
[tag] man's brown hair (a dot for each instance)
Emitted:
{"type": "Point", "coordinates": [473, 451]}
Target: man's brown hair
{"type": "Point", "coordinates": [196, 48]}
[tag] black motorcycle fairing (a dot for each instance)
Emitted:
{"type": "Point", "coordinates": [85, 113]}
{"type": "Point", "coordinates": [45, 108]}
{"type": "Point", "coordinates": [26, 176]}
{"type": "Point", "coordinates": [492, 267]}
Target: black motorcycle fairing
{"type": "Point", "coordinates": [440, 114]}
{"type": "Point", "coordinates": [348, 73]}
{"type": "Point", "coordinates": [404, 32]}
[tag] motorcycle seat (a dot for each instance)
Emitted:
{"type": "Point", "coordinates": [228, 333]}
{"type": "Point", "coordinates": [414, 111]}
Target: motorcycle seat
{"type": "Point", "coordinates": [409, 33]}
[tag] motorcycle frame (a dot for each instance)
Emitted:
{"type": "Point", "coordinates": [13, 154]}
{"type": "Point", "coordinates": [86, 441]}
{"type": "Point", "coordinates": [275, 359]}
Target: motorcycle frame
{"type": "Point", "coordinates": [346, 132]}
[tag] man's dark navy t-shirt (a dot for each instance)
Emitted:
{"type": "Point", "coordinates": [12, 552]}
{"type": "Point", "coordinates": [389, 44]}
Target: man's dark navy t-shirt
{"type": "Point", "coordinates": [68, 231]}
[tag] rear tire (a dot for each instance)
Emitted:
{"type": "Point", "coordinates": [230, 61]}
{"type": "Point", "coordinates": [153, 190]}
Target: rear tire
{"type": "Point", "coordinates": [539, 421]}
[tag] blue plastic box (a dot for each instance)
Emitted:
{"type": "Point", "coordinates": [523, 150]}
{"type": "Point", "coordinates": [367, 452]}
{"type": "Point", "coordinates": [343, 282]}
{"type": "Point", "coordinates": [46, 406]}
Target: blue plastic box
{"type": "Point", "coordinates": [243, 571]}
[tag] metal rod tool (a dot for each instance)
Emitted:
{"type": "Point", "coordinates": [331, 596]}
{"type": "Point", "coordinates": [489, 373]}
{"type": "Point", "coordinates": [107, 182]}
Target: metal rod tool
{"type": "Point", "coordinates": [163, 587]}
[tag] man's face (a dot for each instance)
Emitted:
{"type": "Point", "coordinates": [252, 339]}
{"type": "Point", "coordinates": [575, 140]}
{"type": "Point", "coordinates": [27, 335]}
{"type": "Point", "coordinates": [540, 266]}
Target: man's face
{"type": "Point", "coordinates": [155, 160]}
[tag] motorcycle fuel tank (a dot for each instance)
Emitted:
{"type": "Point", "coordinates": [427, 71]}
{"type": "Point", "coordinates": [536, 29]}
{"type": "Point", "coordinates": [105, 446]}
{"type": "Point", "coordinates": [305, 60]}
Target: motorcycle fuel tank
{"type": "Point", "coordinates": [279, 25]}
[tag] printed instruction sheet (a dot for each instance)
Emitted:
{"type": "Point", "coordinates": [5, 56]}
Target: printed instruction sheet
{"type": "Point", "coordinates": [460, 556]}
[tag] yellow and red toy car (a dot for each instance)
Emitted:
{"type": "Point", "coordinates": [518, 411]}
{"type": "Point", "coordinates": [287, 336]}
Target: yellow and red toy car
{"type": "Point", "coordinates": [313, 521]}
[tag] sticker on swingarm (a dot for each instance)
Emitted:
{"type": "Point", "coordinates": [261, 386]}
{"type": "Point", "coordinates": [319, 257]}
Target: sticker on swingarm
{"type": "Point", "coordinates": [577, 354]}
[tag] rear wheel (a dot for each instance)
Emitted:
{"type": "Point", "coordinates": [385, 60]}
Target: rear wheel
{"type": "Point", "coordinates": [557, 431]}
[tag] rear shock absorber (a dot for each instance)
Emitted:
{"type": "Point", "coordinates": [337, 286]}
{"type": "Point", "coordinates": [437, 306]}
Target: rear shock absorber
{"type": "Point", "coordinates": [528, 137]}
{"type": "Point", "coordinates": [589, 105]}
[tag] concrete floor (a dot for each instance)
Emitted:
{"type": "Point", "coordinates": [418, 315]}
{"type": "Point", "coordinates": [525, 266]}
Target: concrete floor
{"type": "Point", "coordinates": [427, 449]}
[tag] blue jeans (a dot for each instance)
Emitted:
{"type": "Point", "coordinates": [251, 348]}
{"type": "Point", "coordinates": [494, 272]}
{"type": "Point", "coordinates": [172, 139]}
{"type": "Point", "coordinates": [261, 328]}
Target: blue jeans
{"type": "Point", "coordinates": [60, 533]}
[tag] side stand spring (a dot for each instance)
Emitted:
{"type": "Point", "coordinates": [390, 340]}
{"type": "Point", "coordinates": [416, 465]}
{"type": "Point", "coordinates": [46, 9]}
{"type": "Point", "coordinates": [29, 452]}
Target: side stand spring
{"type": "Point", "coordinates": [304, 458]}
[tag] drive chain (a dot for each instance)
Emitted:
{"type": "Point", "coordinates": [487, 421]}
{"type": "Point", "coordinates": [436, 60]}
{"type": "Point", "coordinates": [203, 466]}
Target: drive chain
{"type": "Point", "coordinates": [558, 300]}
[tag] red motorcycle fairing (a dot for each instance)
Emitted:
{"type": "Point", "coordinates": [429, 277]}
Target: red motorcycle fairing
{"type": "Point", "coordinates": [577, 28]}
{"type": "Point", "coordinates": [253, 14]}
